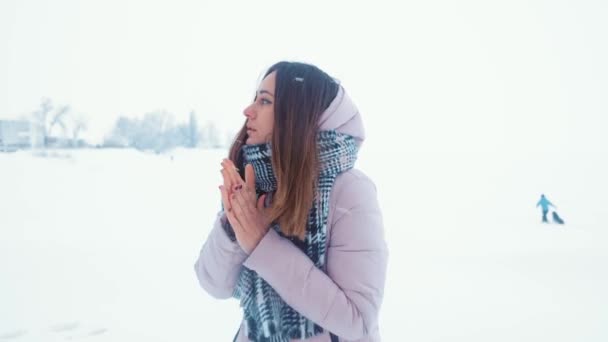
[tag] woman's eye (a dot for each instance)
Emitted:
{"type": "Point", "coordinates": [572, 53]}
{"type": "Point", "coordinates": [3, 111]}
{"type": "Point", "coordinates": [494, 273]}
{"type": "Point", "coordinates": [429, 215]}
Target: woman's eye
{"type": "Point", "coordinates": [264, 101]}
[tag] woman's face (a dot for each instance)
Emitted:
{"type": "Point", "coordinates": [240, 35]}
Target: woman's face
{"type": "Point", "coordinates": [260, 114]}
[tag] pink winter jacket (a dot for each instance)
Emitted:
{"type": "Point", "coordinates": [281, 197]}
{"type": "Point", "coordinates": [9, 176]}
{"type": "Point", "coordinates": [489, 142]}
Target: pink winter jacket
{"type": "Point", "coordinates": [345, 299]}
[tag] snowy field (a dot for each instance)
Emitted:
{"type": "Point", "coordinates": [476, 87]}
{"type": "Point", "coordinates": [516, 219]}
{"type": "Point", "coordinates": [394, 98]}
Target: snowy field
{"type": "Point", "coordinates": [99, 245]}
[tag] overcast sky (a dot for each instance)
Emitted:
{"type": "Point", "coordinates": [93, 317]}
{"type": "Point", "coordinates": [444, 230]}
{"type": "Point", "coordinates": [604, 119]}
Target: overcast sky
{"type": "Point", "coordinates": [491, 75]}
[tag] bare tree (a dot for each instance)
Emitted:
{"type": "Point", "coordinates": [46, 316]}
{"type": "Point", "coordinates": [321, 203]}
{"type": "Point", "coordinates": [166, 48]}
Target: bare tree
{"type": "Point", "coordinates": [39, 117]}
{"type": "Point", "coordinates": [59, 118]}
{"type": "Point", "coordinates": [193, 138]}
{"type": "Point", "coordinates": [44, 120]}
{"type": "Point", "coordinates": [79, 124]}
{"type": "Point", "coordinates": [154, 130]}
{"type": "Point", "coordinates": [210, 135]}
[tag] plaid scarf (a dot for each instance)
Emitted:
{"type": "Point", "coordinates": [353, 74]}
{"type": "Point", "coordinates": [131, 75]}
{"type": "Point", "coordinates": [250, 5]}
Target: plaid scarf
{"type": "Point", "coordinates": [267, 317]}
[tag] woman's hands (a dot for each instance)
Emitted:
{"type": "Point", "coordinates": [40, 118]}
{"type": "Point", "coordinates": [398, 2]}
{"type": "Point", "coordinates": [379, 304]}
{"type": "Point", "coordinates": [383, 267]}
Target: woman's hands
{"type": "Point", "coordinates": [246, 214]}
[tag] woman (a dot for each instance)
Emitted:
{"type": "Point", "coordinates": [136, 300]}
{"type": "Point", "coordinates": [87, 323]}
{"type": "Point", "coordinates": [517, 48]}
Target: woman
{"type": "Point", "coordinates": [299, 241]}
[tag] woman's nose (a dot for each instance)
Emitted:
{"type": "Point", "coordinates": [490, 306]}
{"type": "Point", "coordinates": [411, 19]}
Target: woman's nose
{"type": "Point", "coordinates": [249, 112]}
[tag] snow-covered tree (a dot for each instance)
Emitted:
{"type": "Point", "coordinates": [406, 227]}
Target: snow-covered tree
{"type": "Point", "coordinates": [210, 135]}
{"type": "Point", "coordinates": [40, 118]}
{"type": "Point", "coordinates": [193, 134]}
{"type": "Point", "coordinates": [78, 124]}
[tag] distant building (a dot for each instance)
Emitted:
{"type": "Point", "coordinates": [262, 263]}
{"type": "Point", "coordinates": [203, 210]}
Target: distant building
{"type": "Point", "coordinates": [19, 134]}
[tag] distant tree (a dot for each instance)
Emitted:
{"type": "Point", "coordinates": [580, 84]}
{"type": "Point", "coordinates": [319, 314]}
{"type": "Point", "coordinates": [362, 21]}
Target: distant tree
{"type": "Point", "coordinates": [181, 135]}
{"type": "Point", "coordinates": [193, 135]}
{"type": "Point", "coordinates": [59, 118]}
{"type": "Point", "coordinates": [78, 124]}
{"type": "Point", "coordinates": [154, 132]}
{"type": "Point", "coordinates": [39, 118]}
{"type": "Point", "coordinates": [157, 131]}
{"type": "Point", "coordinates": [44, 120]}
{"type": "Point", "coordinates": [210, 136]}
{"type": "Point", "coordinates": [120, 136]}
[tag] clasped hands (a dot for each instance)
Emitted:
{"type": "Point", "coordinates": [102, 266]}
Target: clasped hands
{"type": "Point", "coordinates": [246, 213]}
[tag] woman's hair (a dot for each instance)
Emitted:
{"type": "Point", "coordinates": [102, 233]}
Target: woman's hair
{"type": "Point", "coordinates": [302, 93]}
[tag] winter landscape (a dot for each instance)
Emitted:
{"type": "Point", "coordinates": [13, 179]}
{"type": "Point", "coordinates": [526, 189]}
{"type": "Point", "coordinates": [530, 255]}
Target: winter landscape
{"type": "Point", "coordinates": [99, 245]}
{"type": "Point", "coordinates": [472, 109]}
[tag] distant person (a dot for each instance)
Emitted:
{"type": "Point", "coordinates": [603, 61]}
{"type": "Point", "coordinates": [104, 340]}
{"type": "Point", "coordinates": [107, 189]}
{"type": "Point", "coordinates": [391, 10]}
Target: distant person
{"type": "Point", "coordinates": [544, 204]}
{"type": "Point", "coordinates": [556, 218]}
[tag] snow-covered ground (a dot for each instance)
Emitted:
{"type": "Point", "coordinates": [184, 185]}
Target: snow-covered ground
{"type": "Point", "coordinates": [100, 245]}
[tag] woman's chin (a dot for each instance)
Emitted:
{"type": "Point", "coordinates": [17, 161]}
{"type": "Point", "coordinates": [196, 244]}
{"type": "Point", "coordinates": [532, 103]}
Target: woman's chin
{"type": "Point", "coordinates": [252, 141]}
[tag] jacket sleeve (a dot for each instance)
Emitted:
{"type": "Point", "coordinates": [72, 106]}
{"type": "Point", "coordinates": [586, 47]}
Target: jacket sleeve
{"type": "Point", "coordinates": [219, 262]}
{"type": "Point", "coordinates": [346, 300]}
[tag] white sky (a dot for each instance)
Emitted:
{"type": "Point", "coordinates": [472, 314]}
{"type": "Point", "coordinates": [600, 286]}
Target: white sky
{"type": "Point", "coordinates": [489, 75]}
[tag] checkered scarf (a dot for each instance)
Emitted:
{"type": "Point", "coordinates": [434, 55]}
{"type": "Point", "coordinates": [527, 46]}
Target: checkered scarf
{"type": "Point", "coordinates": [267, 317]}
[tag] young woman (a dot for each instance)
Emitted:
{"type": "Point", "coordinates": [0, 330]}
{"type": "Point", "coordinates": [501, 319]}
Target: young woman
{"type": "Point", "coordinates": [300, 240]}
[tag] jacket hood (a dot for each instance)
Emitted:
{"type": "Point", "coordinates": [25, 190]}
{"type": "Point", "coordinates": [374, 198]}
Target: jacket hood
{"type": "Point", "coordinates": [343, 116]}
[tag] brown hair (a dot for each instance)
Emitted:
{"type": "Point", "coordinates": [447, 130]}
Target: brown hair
{"type": "Point", "coordinates": [302, 93]}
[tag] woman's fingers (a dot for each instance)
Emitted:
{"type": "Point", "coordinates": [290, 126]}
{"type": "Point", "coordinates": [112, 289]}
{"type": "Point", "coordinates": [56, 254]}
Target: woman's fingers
{"type": "Point", "coordinates": [226, 172]}
{"type": "Point", "coordinates": [238, 210]}
{"type": "Point", "coordinates": [239, 204]}
{"type": "Point", "coordinates": [230, 175]}
{"type": "Point", "coordinates": [230, 210]}
{"type": "Point", "coordinates": [233, 172]}
{"type": "Point", "coordinates": [225, 199]}
{"type": "Point", "coordinates": [227, 180]}
{"type": "Point", "coordinates": [246, 201]}
{"type": "Point", "coordinates": [230, 215]}
{"type": "Point", "coordinates": [247, 197]}
{"type": "Point", "coordinates": [235, 224]}
{"type": "Point", "coordinates": [261, 202]}
{"type": "Point", "coordinates": [249, 176]}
